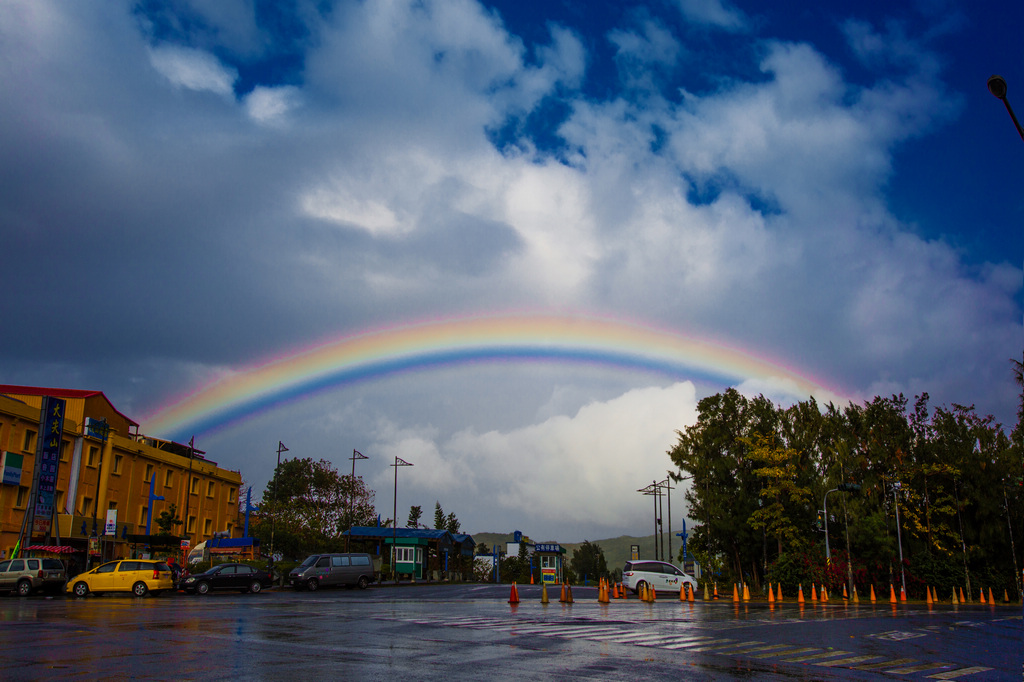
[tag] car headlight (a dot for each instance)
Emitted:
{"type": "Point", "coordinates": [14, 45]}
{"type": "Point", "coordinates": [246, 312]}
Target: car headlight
{"type": "Point", "coordinates": [190, 580]}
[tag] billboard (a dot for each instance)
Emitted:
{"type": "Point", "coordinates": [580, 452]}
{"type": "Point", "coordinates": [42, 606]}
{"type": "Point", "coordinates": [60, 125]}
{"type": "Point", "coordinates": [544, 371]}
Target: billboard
{"type": "Point", "coordinates": [44, 480]}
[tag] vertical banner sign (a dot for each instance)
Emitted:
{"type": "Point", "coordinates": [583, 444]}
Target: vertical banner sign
{"type": "Point", "coordinates": [51, 433]}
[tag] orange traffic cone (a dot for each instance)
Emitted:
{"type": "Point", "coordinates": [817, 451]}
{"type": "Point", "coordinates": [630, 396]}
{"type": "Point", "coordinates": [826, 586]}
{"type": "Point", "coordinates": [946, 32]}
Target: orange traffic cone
{"type": "Point", "coordinates": [771, 595]}
{"type": "Point", "coordinates": [693, 593]}
{"type": "Point", "coordinates": [872, 593]}
{"type": "Point", "coordinates": [531, 578]}
{"type": "Point", "coordinates": [845, 595]}
{"type": "Point", "coordinates": [735, 593]}
{"type": "Point", "coordinates": [543, 593]}
{"type": "Point", "coordinates": [892, 594]}
{"type": "Point", "coordinates": [856, 599]}
{"type": "Point", "coordinates": [682, 591]}
{"type": "Point", "coordinates": [962, 600]}
{"type": "Point", "coordinates": [514, 597]}
{"type": "Point", "coordinates": [824, 594]}
{"type": "Point", "coordinates": [562, 598]}
{"type": "Point", "coordinates": [903, 593]}
{"type": "Point", "coordinates": [716, 593]}
{"type": "Point", "coordinates": [955, 602]}
{"type": "Point", "coordinates": [779, 596]}
{"type": "Point", "coordinates": [814, 593]}
{"type": "Point", "coordinates": [602, 592]}
{"type": "Point", "coordinates": [800, 594]}
{"type": "Point", "coordinates": [928, 594]}
{"type": "Point", "coordinates": [982, 599]}
{"type": "Point", "coordinates": [654, 594]}
{"type": "Point", "coordinates": [1006, 596]}
{"type": "Point", "coordinates": [990, 598]}
{"type": "Point", "coordinates": [746, 592]}
{"type": "Point", "coordinates": [568, 594]}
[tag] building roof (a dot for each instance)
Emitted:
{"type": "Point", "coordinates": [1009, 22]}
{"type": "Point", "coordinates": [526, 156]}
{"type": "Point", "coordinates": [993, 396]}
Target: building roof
{"type": "Point", "coordinates": [72, 393]}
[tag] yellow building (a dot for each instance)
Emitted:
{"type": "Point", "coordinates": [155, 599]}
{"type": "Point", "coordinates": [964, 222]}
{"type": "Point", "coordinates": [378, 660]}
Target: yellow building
{"type": "Point", "coordinates": [103, 479]}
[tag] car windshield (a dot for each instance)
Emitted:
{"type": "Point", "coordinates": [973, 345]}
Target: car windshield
{"type": "Point", "coordinates": [310, 560]}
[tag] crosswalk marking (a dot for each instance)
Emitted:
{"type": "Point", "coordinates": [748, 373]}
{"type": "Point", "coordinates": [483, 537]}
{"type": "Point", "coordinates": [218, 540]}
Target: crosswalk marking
{"type": "Point", "coordinates": [917, 668]}
{"type": "Point", "coordinates": [845, 662]}
{"type": "Point", "coordinates": [692, 642]}
{"type": "Point", "coordinates": [815, 657]}
{"type": "Point", "coordinates": [787, 652]}
{"type": "Point", "coordinates": [886, 664]}
{"type": "Point", "coordinates": [953, 674]}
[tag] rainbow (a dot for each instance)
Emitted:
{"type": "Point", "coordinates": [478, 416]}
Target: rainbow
{"type": "Point", "coordinates": [509, 338]}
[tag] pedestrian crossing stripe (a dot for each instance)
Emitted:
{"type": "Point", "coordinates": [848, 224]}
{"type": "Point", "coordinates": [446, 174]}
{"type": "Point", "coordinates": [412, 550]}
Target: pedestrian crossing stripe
{"type": "Point", "coordinates": [697, 643]}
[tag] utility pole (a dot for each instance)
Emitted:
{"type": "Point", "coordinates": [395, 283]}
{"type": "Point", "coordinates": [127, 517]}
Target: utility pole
{"type": "Point", "coordinates": [355, 455]}
{"type": "Point", "coordinates": [273, 519]}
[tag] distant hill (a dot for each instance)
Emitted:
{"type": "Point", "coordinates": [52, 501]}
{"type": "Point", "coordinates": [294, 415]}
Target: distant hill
{"type": "Point", "coordinates": [616, 550]}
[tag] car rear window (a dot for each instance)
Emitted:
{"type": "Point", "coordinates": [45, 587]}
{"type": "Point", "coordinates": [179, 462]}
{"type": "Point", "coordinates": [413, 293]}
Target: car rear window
{"type": "Point", "coordinates": [360, 561]}
{"type": "Point", "coordinates": [53, 565]}
{"type": "Point", "coordinates": [160, 566]}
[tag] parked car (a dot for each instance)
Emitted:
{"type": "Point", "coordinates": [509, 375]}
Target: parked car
{"type": "Point", "coordinates": [138, 576]}
{"type": "Point", "coordinates": [25, 576]}
{"type": "Point", "coordinates": [657, 574]}
{"type": "Point", "coordinates": [241, 577]}
{"type": "Point", "coordinates": [323, 570]}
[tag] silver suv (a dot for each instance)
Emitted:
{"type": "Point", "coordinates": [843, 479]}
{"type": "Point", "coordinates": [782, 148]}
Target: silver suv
{"type": "Point", "coordinates": [25, 576]}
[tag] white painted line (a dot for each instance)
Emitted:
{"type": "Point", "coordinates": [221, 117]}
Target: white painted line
{"type": "Point", "coordinates": [953, 674]}
{"type": "Point", "coordinates": [846, 662]}
{"type": "Point", "coordinates": [917, 668]}
{"type": "Point", "coordinates": [815, 657]}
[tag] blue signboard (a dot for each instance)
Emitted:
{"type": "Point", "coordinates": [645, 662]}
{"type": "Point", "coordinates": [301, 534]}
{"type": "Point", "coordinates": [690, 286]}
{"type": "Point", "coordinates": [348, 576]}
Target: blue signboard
{"type": "Point", "coordinates": [547, 547]}
{"type": "Point", "coordinates": [51, 434]}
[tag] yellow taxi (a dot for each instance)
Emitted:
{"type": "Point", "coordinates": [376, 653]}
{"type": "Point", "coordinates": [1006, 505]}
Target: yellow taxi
{"type": "Point", "coordinates": [138, 576]}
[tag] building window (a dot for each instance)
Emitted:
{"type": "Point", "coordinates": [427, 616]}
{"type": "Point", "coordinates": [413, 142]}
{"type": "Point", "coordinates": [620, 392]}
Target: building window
{"type": "Point", "coordinates": [117, 463]}
{"type": "Point", "coordinates": [65, 446]}
{"type": "Point", "coordinates": [194, 487]}
{"type": "Point", "coordinates": [404, 555]}
{"type": "Point", "coordinates": [86, 506]}
{"type": "Point", "coordinates": [112, 505]}
{"type": "Point", "coordinates": [149, 473]}
{"type": "Point", "coordinates": [143, 516]}
{"type": "Point", "coordinates": [231, 495]}
{"type": "Point", "coordinates": [168, 478]}
{"type": "Point", "coordinates": [22, 499]}
{"type": "Point", "coordinates": [210, 487]}
{"type": "Point", "coordinates": [29, 444]}
{"type": "Point", "coordinates": [207, 527]}
{"type": "Point", "coordinates": [191, 524]}
{"type": "Point", "coordinates": [94, 456]}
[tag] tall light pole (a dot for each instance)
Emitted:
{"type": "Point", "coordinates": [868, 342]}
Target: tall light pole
{"type": "Point", "coordinates": [399, 462]}
{"type": "Point", "coordinates": [899, 541]}
{"type": "Point", "coordinates": [273, 519]}
{"type": "Point", "coordinates": [653, 489]}
{"type": "Point", "coordinates": [355, 455]}
{"type": "Point", "coordinates": [997, 86]}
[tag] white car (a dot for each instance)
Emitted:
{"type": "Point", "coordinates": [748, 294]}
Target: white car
{"type": "Point", "coordinates": [657, 574]}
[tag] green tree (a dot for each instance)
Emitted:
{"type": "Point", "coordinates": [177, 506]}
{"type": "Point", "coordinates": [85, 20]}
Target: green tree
{"type": "Point", "coordinates": [438, 516]}
{"type": "Point", "coordinates": [168, 520]}
{"type": "Point", "coordinates": [588, 560]}
{"type": "Point", "coordinates": [414, 517]}
{"type": "Point", "coordinates": [778, 472]}
{"type": "Point", "coordinates": [308, 505]}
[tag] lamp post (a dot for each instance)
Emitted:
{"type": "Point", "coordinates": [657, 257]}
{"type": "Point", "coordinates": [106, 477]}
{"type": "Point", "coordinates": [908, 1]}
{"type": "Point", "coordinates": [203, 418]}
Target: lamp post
{"type": "Point", "coordinates": [355, 455]}
{"type": "Point", "coordinates": [653, 489]}
{"type": "Point", "coordinates": [997, 86]}
{"type": "Point", "coordinates": [273, 519]}
{"type": "Point", "coordinates": [399, 462]}
{"type": "Point", "coordinates": [899, 540]}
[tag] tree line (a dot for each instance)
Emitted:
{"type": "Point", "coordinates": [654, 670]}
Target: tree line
{"type": "Point", "coordinates": [941, 487]}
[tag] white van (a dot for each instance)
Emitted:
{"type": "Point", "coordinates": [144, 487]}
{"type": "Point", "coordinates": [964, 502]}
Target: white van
{"type": "Point", "coordinates": [325, 570]}
{"type": "Point", "coordinates": [657, 574]}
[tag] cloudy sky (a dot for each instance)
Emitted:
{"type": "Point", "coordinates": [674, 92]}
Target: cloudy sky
{"type": "Point", "coordinates": [191, 189]}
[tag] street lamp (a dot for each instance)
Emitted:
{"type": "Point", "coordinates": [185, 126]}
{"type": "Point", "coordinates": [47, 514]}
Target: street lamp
{"type": "Point", "coordinates": [997, 86]}
{"type": "Point", "coordinates": [655, 490]}
{"type": "Point", "coordinates": [399, 462]}
{"type": "Point", "coordinates": [895, 489]}
{"type": "Point", "coordinates": [273, 519]}
{"type": "Point", "coordinates": [355, 455]}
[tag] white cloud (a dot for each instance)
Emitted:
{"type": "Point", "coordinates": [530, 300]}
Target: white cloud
{"type": "Point", "coordinates": [271, 106]}
{"type": "Point", "coordinates": [193, 69]}
{"type": "Point", "coordinates": [714, 13]}
{"type": "Point", "coordinates": [561, 477]}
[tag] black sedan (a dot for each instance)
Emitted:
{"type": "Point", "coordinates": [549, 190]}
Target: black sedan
{"type": "Point", "coordinates": [239, 577]}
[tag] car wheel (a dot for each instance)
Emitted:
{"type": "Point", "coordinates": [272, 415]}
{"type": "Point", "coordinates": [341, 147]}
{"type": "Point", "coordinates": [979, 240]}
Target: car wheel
{"type": "Point", "coordinates": [139, 589]}
{"type": "Point", "coordinates": [363, 582]}
{"type": "Point", "coordinates": [255, 587]}
{"type": "Point", "coordinates": [24, 588]}
{"type": "Point", "coordinates": [312, 584]}
{"type": "Point", "coordinates": [203, 587]}
{"type": "Point", "coordinates": [80, 589]}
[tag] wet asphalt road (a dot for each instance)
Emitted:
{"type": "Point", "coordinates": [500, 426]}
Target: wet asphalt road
{"type": "Point", "coordinates": [470, 632]}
